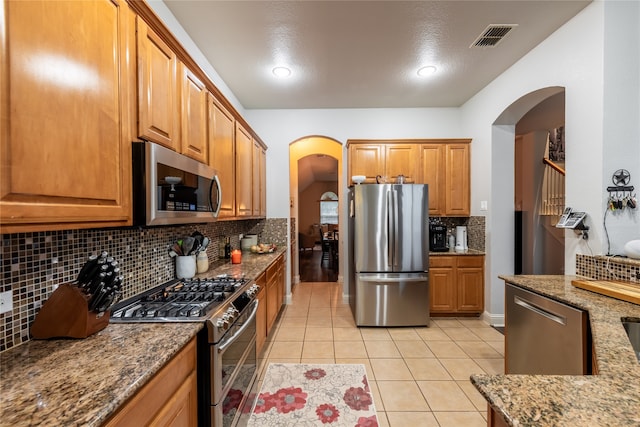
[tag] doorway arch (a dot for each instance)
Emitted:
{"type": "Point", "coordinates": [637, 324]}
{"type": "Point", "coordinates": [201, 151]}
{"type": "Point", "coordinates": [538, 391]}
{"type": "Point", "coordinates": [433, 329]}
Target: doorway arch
{"type": "Point", "coordinates": [298, 149]}
{"type": "Point", "coordinates": [502, 219]}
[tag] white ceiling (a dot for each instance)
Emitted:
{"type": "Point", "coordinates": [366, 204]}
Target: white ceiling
{"type": "Point", "coordinates": [363, 54]}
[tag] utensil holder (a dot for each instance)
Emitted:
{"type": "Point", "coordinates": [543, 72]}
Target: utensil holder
{"type": "Point", "coordinates": [66, 315]}
{"type": "Point", "coordinates": [185, 266]}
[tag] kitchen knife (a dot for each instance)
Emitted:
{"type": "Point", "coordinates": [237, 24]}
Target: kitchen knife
{"type": "Point", "coordinates": [96, 296]}
{"type": "Point", "coordinates": [86, 268]}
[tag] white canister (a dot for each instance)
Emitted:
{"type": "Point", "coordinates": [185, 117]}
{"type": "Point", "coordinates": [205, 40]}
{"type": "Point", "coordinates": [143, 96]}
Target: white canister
{"type": "Point", "coordinates": [202, 262]}
{"type": "Point", "coordinates": [185, 266]}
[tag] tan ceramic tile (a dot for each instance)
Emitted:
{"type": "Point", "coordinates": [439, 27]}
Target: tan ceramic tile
{"type": "Point", "coordinates": [320, 312]}
{"type": "Point", "coordinates": [382, 349]}
{"type": "Point", "coordinates": [433, 334]}
{"type": "Point", "coordinates": [479, 350]}
{"type": "Point", "coordinates": [491, 366]}
{"type": "Point", "coordinates": [444, 322]}
{"type": "Point", "coordinates": [290, 333]}
{"type": "Point", "coordinates": [375, 393]}
{"type": "Point", "coordinates": [457, 419]}
{"type": "Point", "coordinates": [404, 334]}
{"type": "Point", "coordinates": [319, 322]}
{"type": "Point", "coordinates": [473, 322]}
{"type": "Point", "coordinates": [349, 349]}
{"type": "Point", "coordinates": [292, 321]}
{"type": "Point", "coordinates": [401, 396]}
{"type": "Point", "coordinates": [317, 350]}
{"type": "Point", "coordinates": [473, 395]}
{"type": "Point", "coordinates": [286, 349]}
{"type": "Point", "coordinates": [445, 396]}
{"type": "Point", "coordinates": [446, 349]}
{"type": "Point", "coordinates": [314, 361]}
{"type": "Point", "coordinates": [382, 419]}
{"type": "Point", "coordinates": [343, 322]}
{"type": "Point", "coordinates": [488, 334]}
{"type": "Point", "coordinates": [427, 369]}
{"type": "Point", "coordinates": [319, 334]}
{"type": "Point", "coordinates": [342, 310]}
{"type": "Point", "coordinates": [296, 311]}
{"type": "Point", "coordinates": [406, 419]}
{"type": "Point", "coordinates": [346, 334]}
{"type": "Point", "coordinates": [390, 369]}
{"type": "Point", "coordinates": [461, 334]}
{"type": "Point", "coordinates": [413, 349]}
{"type": "Point", "coordinates": [497, 346]}
{"type": "Point", "coordinates": [363, 361]}
{"type": "Point", "coordinates": [461, 369]}
{"type": "Point", "coordinates": [375, 334]}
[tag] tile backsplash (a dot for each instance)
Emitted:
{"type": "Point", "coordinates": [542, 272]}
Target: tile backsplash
{"type": "Point", "coordinates": [34, 264]}
{"type": "Point", "coordinates": [602, 267]}
{"type": "Point", "coordinates": [475, 229]}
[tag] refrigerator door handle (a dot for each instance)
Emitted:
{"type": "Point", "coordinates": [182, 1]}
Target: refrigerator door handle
{"type": "Point", "coordinates": [390, 236]}
{"type": "Point", "coordinates": [396, 232]}
{"type": "Point", "coordinates": [377, 278]}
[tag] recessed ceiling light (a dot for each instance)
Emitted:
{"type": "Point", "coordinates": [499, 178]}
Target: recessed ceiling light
{"type": "Point", "coordinates": [426, 71]}
{"type": "Point", "coordinates": [281, 72]}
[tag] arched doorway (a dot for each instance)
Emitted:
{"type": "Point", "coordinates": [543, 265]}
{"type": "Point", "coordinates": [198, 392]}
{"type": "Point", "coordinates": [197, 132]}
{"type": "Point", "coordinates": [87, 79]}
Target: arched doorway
{"type": "Point", "coordinates": [310, 147]}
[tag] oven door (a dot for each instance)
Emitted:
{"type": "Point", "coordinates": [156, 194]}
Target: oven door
{"type": "Point", "coordinates": [234, 366]}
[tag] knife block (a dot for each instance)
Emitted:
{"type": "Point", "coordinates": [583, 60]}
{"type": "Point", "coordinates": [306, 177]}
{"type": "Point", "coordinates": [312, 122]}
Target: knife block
{"type": "Point", "coordinates": [66, 314]}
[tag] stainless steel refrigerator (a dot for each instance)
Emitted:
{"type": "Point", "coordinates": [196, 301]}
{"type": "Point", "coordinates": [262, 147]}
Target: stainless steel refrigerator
{"type": "Point", "coordinates": [389, 228]}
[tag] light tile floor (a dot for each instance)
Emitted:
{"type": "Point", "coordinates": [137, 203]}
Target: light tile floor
{"type": "Point", "coordinates": [419, 376]}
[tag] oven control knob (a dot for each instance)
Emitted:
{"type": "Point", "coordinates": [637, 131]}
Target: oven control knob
{"type": "Point", "coordinates": [222, 324]}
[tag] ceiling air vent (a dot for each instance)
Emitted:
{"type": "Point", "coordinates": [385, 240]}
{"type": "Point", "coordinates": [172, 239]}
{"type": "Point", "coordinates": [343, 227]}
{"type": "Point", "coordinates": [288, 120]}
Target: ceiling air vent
{"type": "Point", "coordinates": [492, 35]}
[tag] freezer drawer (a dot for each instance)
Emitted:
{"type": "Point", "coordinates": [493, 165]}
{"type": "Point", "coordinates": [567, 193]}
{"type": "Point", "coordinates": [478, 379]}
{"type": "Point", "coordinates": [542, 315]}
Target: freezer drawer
{"type": "Point", "coordinates": [543, 336]}
{"type": "Point", "coordinates": [392, 299]}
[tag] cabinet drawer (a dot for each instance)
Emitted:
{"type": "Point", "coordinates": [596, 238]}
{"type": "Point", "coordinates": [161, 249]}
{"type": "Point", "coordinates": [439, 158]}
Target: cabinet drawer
{"type": "Point", "coordinates": [441, 261]}
{"type": "Point", "coordinates": [470, 261]}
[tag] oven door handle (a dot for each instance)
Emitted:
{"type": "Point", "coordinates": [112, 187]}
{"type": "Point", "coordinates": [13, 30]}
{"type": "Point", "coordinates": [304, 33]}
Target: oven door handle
{"type": "Point", "coordinates": [223, 345]}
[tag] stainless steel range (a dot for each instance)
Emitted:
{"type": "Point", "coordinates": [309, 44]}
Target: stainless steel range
{"type": "Point", "coordinates": [227, 360]}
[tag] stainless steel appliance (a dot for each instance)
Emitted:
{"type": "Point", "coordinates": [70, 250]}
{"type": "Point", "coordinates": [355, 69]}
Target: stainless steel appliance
{"type": "Point", "coordinates": [389, 228]}
{"type": "Point", "coordinates": [543, 336]}
{"type": "Point", "coordinates": [170, 188]}
{"type": "Point", "coordinates": [227, 360]}
{"type": "Point", "coordinates": [438, 238]}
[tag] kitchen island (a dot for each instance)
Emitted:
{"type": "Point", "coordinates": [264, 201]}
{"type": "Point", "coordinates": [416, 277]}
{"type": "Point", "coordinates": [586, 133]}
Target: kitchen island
{"type": "Point", "coordinates": [64, 382]}
{"type": "Point", "coordinates": [610, 398]}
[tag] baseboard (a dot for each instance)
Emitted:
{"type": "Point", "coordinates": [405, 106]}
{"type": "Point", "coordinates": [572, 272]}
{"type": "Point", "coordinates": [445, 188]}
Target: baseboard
{"type": "Point", "coordinates": [493, 319]}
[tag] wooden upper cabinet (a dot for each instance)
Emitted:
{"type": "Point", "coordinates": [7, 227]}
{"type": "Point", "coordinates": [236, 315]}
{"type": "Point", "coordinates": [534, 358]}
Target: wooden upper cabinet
{"type": "Point", "coordinates": [457, 184]}
{"type": "Point", "coordinates": [432, 173]}
{"type": "Point", "coordinates": [367, 160]}
{"type": "Point", "coordinates": [158, 94]}
{"type": "Point", "coordinates": [194, 117]}
{"type": "Point", "coordinates": [222, 154]}
{"type": "Point", "coordinates": [67, 103]}
{"type": "Point", "coordinates": [263, 182]}
{"type": "Point", "coordinates": [401, 159]}
{"type": "Point", "coordinates": [256, 178]}
{"type": "Point", "coordinates": [244, 172]}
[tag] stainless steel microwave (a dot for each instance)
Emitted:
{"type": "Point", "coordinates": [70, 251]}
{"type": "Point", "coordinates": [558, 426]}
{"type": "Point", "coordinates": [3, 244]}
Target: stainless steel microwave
{"type": "Point", "coordinates": [171, 188]}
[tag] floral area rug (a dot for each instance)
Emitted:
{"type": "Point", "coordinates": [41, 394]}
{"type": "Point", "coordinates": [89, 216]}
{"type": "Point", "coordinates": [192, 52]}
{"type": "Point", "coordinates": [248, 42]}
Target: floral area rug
{"type": "Point", "coordinates": [314, 395]}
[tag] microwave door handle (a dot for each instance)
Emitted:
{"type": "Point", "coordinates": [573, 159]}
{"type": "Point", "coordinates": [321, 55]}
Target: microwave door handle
{"type": "Point", "coordinates": [215, 181]}
{"type": "Point", "coordinates": [223, 345]}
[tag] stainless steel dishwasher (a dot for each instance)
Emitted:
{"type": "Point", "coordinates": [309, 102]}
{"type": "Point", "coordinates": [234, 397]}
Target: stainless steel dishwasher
{"type": "Point", "coordinates": [544, 336]}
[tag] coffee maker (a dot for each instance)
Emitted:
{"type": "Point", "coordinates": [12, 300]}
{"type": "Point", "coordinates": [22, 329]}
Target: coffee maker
{"type": "Point", "coordinates": [438, 238]}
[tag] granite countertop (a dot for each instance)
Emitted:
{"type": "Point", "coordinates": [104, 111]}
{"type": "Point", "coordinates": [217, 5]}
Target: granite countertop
{"type": "Point", "coordinates": [455, 253]}
{"type": "Point", "coordinates": [84, 381]}
{"type": "Point", "coordinates": [611, 398]}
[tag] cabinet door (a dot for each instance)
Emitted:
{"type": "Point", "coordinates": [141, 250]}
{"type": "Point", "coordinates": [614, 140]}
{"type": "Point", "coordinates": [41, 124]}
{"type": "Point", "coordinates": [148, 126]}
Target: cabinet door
{"type": "Point", "coordinates": [470, 289]}
{"type": "Point", "coordinates": [457, 198]}
{"type": "Point", "coordinates": [158, 97]}
{"type": "Point", "coordinates": [261, 320]}
{"type": "Point", "coordinates": [401, 159]}
{"type": "Point", "coordinates": [367, 160]}
{"type": "Point", "coordinates": [432, 173]}
{"type": "Point", "coordinates": [222, 154]}
{"type": "Point", "coordinates": [442, 289]}
{"type": "Point", "coordinates": [255, 178]}
{"type": "Point", "coordinates": [244, 176]}
{"type": "Point", "coordinates": [263, 183]}
{"type": "Point", "coordinates": [66, 114]}
{"type": "Point", "coordinates": [194, 117]}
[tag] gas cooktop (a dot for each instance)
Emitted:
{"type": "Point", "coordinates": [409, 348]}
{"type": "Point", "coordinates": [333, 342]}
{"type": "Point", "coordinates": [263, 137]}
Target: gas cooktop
{"type": "Point", "coordinates": [185, 300]}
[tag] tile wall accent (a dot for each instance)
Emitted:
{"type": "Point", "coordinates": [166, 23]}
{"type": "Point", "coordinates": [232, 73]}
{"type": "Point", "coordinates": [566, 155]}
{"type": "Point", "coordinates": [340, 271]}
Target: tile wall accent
{"type": "Point", "coordinates": [602, 267]}
{"type": "Point", "coordinates": [32, 265]}
{"type": "Point", "coordinates": [475, 229]}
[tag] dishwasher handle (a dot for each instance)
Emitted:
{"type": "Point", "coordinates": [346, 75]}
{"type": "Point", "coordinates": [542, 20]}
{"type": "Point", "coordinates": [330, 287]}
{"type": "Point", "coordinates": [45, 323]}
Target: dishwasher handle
{"type": "Point", "coordinates": [539, 310]}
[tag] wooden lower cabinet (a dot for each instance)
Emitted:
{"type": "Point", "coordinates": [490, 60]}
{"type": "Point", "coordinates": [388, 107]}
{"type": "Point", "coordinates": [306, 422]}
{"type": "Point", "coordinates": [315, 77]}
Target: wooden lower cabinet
{"type": "Point", "coordinates": [169, 399]}
{"type": "Point", "coordinates": [275, 290]}
{"type": "Point", "coordinates": [456, 284]}
{"type": "Point", "coordinates": [261, 314]}
{"type": "Point", "coordinates": [494, 419]}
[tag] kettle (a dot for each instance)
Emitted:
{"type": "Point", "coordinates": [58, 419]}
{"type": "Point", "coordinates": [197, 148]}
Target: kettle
{"type": "Point", "coordinates": [461, 238]}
